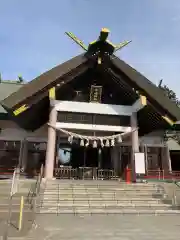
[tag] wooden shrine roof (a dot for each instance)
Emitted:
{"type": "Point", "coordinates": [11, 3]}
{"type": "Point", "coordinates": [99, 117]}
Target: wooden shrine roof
{"type": "Point", "coordinates": [35, 93]}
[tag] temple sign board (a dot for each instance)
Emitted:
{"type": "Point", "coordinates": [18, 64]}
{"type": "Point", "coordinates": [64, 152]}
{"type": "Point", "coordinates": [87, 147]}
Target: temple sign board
{"type": "Point", "coordinates": [140, 163]}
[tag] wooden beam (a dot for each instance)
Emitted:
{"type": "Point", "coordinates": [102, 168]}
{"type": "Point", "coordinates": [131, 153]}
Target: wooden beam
{"type": "Point", "coordinates": [168, 120]}
{"type": "Point", "coordinates": [96, 108]}
{"type": "Point", "coordinates": [92, 127]}
{"type": "Point", "coordinates": [139, 104]}
{"type": "Point", "coordinates": [52, 93]}
{"type": "Point", "coordinates": [20, 110]}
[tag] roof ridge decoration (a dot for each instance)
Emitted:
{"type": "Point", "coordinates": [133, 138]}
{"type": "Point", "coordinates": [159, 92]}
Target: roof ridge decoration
{"type": "Point", "coordinates": [16, 82]}
{"type": "Point", "coordinates": [19, 81]}
{"type": "Point", "coordinates": [100, 48]}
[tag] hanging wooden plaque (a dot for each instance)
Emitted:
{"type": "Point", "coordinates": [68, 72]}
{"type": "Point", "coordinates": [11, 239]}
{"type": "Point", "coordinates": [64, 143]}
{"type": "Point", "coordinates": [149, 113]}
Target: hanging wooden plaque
{"type": "Point", "coordinates": [95, 93]}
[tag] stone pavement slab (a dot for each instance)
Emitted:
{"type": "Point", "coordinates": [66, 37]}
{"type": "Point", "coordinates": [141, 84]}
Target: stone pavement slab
{"type": "Point", "coordinates": [12, 231]}
{"type": "Point", "coordinates": [100, 227]}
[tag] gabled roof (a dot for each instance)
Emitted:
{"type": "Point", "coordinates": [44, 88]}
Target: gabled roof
{"type": "Point", "coordinates": [151, 90]}
{"type": "Point", "coordinates": [37, 90]}
{"type": "Point", "coordinates": [6, 89]}
{"type": "Point", "coordinates": [43, 82]}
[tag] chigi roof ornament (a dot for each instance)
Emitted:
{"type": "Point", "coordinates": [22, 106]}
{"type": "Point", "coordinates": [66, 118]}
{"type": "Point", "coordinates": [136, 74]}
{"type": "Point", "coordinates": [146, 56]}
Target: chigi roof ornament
{"type": "Point", "coordinates": [101, 47]}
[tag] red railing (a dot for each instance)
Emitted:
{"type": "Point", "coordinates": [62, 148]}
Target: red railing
{"type": "Point", "coordinates": [7, 172]}
{"type": "Point", "coordinates": [162, 175]}
{"type": "Point", "coordinates": [90, 173]}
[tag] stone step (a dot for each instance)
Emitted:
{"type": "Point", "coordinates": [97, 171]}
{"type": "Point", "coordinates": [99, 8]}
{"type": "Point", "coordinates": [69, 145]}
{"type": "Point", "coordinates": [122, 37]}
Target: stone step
{"type": "Point", "coordinates": [15, 210]}
{"type": "Point", "coordinates": [107, 210]}
{"type": "Point", "coordinates": [102, 196]}
{"type": "Point", "coordinates": [101, 186]}
{"type": "Point", "coordinates": [103, 189]}
{"type": "Point", "coordinates": [14, 201]}
{"type": "Point", "coordinates": [15, 207]}
{"type": "Point", "coordinates": [5, 187]}
{"type": "Point", "coordinates": [19, 194]}
{"type": "Point", "coordinates": [101, 199]}
{"type": "Point", "coordinates": [106, 204]}
{"type": "Point", "coordinates": [110, 196]}
{"type": "Point", "coordinates": [100, 192]}
{"type": "Point", "coordinates": [113, 211]}
{"type": "Point", "coordinates": [47, 191]}
{"type": "Point", "coordinates": [17, 201]}
{"type": "Point", "coordinates": [89, 208]}
{"type": "Point", "coordinates": [98, 202]}
{"type": "Point", "coordinates": [14, 204]}
{"type": "Point", "coordinates": [46, 199]}
{"type": "Point", "coordinates": [95, 183]}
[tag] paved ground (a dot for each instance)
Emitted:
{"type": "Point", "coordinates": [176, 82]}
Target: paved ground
{"type": "Point", "coordinates": [13, 232]}
{"type": "Point", "coordinates": [172, 191]}
{"type": "Point", "coordinates": [100, 227]}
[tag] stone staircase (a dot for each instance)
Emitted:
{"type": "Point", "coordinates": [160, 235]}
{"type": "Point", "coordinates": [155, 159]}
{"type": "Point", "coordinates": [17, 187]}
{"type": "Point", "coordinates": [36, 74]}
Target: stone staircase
{"type": "Point", "coordinates": [103, 197]}
{"type": "Point", "coordinates": [23, 190]}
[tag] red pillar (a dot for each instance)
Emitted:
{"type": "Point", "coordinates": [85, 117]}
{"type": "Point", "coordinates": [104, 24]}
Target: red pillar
{"type": "Point", "coordinates": [128, 175]}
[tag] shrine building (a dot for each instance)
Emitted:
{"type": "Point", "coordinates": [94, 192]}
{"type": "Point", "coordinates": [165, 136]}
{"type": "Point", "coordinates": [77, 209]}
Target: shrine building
{"type": "Point", "coordinates": [87, 113]}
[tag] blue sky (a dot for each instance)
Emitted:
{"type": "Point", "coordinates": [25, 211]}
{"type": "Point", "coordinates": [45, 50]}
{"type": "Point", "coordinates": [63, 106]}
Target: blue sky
{"type": "Point", "coordinates": [32, 36]}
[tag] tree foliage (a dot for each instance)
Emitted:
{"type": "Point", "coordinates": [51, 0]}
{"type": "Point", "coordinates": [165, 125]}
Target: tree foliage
{"type": "Point", "coordinates": [173, 97]}
{"type": "Point", "coordinates": [170, 93]}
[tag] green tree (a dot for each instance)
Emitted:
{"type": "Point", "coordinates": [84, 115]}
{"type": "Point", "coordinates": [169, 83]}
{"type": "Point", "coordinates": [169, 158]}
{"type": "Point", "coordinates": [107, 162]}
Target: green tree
{"type": "Point", "coordinates": [169, 92]}
{"type": "Point", "coordinates": [173, 97]}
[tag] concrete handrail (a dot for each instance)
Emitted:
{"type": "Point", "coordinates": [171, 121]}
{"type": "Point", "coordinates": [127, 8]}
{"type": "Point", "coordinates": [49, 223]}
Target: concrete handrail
{"type": "Point", "coordinates": [13, 191]}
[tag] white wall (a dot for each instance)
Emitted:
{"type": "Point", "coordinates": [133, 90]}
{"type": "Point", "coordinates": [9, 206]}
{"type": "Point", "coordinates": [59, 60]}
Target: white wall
{"type": "Point", "coordinates": [155, 137]}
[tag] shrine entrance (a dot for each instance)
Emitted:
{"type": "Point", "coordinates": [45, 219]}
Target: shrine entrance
{"type": "Point", "coordinates": [79, 162]}
{"type": "Point", "coordinates": [175, 160]}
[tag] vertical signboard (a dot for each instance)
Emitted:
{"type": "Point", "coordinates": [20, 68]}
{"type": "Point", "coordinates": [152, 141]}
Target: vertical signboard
{"type": "Point", "coordinates": [140, 163]}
